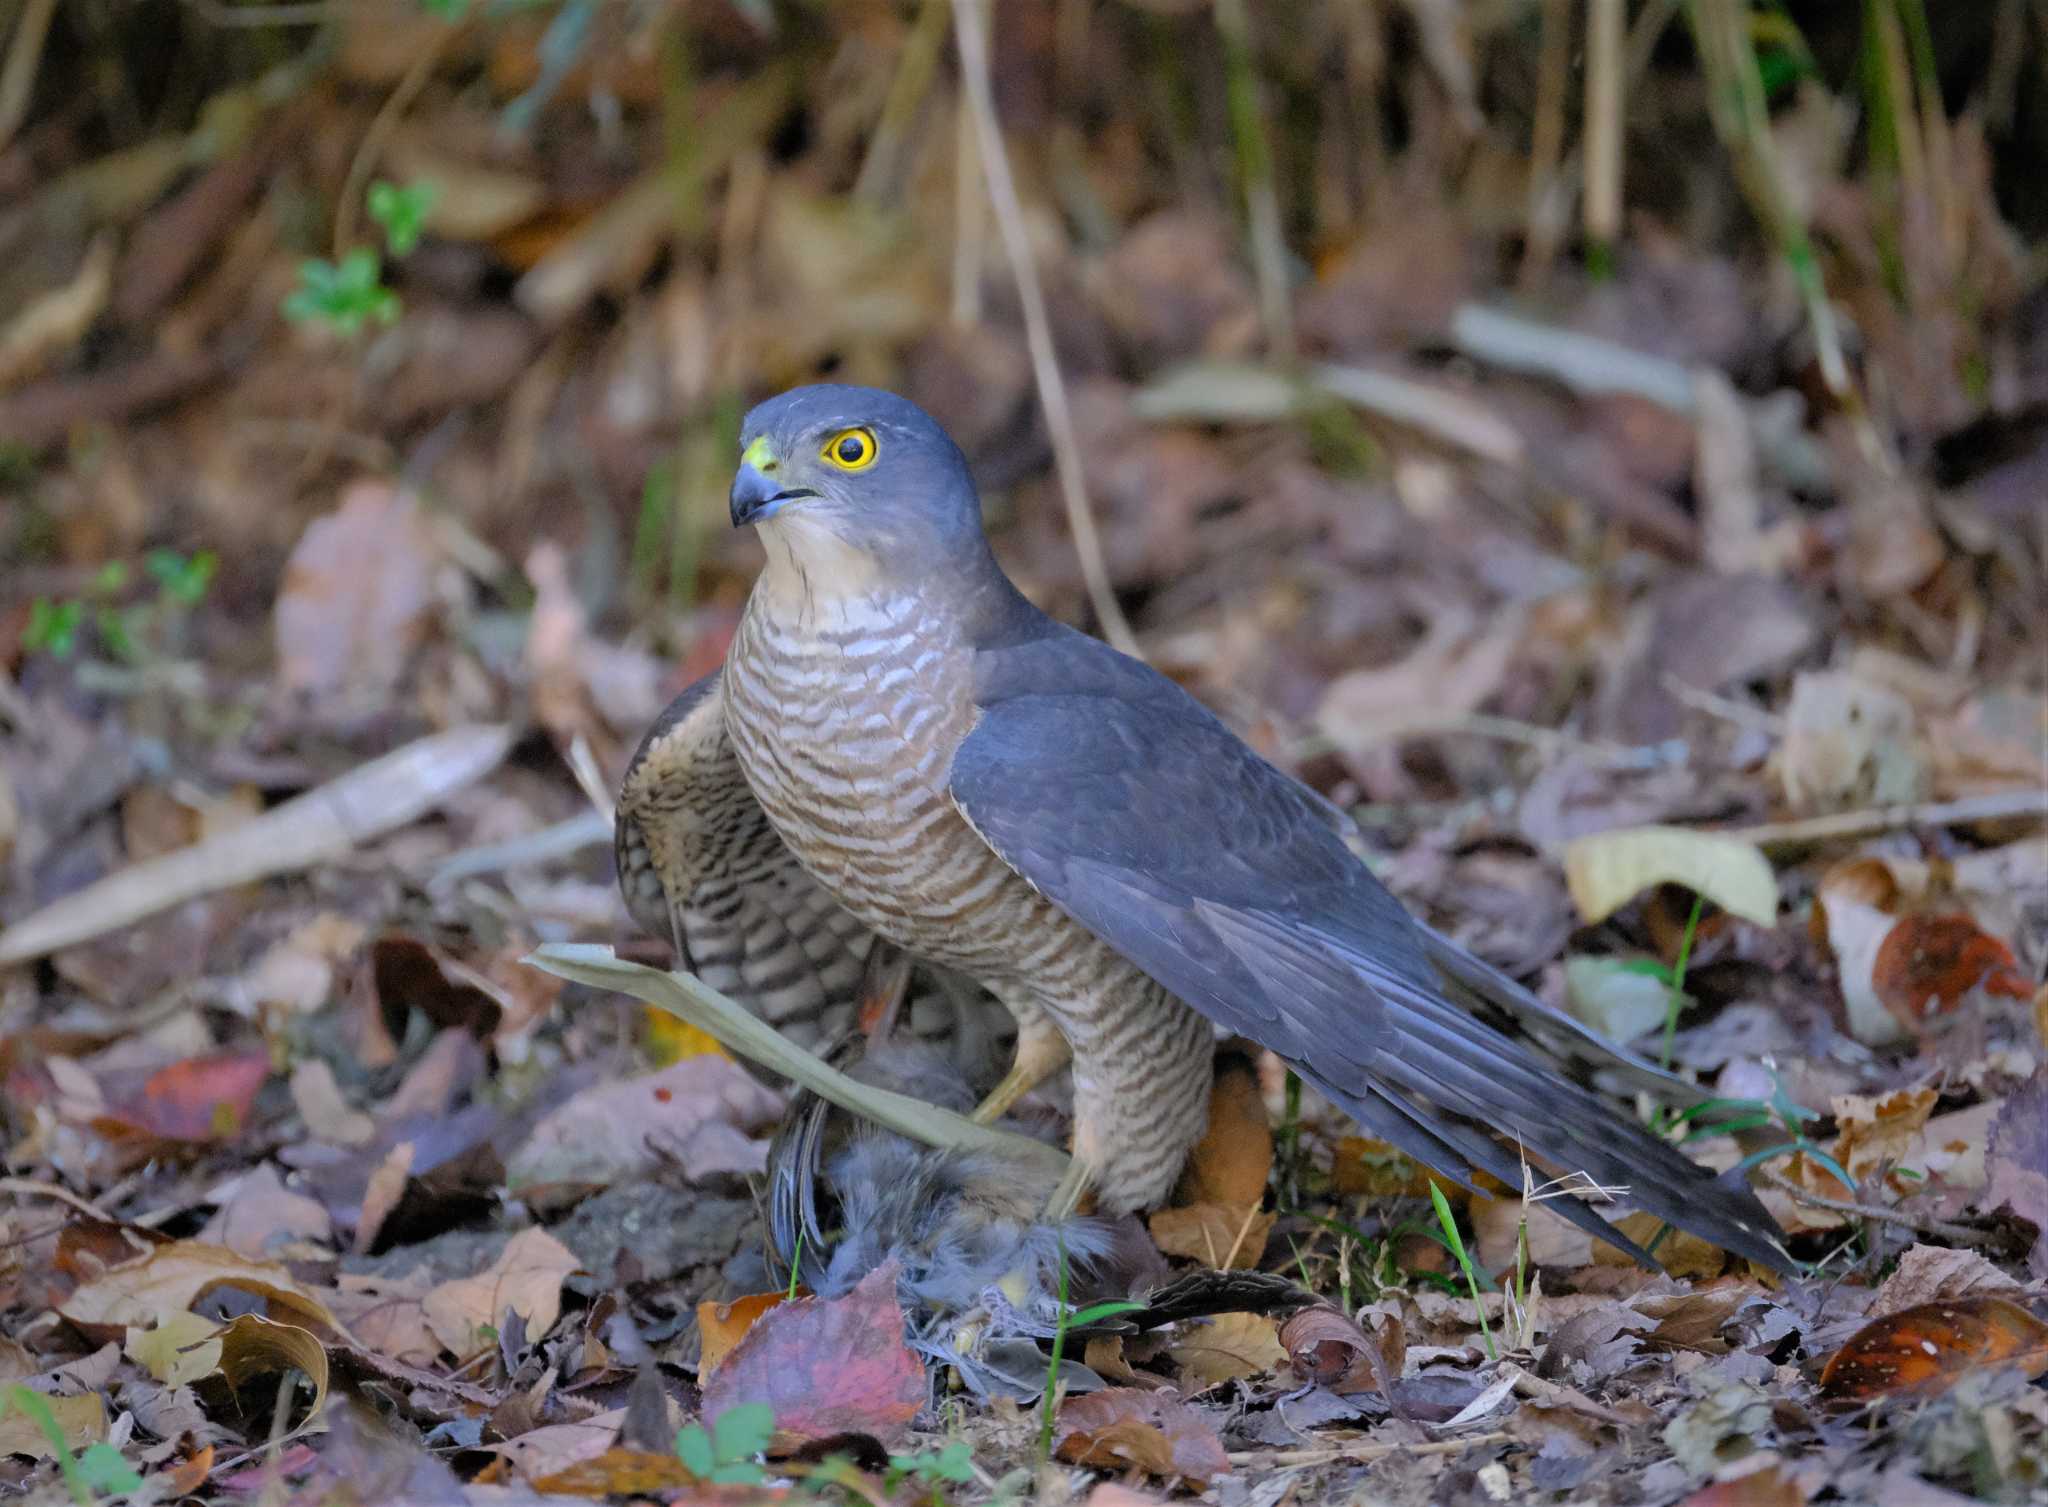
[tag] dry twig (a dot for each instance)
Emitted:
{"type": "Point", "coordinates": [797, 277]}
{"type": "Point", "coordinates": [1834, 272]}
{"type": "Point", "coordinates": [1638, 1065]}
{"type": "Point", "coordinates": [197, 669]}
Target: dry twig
{"type": "Point", "coordinates": [969, 30]}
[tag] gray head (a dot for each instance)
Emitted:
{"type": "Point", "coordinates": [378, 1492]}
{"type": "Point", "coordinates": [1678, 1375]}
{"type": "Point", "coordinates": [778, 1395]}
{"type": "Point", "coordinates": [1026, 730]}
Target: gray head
{"type": "Point", "coordinates": [870, 469]}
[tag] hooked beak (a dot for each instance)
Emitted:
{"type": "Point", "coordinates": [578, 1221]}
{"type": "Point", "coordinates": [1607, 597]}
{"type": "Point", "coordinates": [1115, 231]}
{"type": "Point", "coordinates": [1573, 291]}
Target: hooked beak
{"type": "Point", "coordinates": [756, 494]}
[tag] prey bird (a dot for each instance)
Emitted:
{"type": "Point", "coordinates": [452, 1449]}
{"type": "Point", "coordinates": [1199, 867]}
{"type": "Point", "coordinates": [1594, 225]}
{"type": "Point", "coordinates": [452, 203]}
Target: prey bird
{"type": "Point", "coordinates": [902, 750]}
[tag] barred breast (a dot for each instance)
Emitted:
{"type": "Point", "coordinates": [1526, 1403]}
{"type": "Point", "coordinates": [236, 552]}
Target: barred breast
{"type": "Point", "coordinates": [700, 864]}
{"type": "Point", "coordinates": [844, 724]}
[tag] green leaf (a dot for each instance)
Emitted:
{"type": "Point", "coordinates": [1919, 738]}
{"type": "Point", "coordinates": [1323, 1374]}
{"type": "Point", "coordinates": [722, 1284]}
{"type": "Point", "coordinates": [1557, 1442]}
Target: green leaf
{"type": "Point", "coordinates": [102, 1468]}
{"type": "Point", "coordinates": [743, 1431]}
{"type": "Point", "coordinates": [402, 212]}
{"type": "Point", "coordinates": [1099, 1311]}
{"type": "Point", "coordinates": [738, 1473]}
{"type": "Point", "coordinates": [53, 627]}
{"type": "Point", "coordinates": [693, 1448]}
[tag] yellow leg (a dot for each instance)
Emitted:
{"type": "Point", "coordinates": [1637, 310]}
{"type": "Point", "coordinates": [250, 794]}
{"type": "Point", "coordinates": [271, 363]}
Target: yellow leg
{"type": "Point", "coordinates": [1041, 1052]}
{"type": "Point", "coordinates": [1066, 1198]}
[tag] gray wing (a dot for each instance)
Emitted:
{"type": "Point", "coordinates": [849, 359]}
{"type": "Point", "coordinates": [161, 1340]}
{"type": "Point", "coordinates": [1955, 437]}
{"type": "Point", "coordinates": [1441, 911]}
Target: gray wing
{"type": "Point", "coordinates": [700, 865]}
{"type": "Point", "coordinates": [1145, 819]}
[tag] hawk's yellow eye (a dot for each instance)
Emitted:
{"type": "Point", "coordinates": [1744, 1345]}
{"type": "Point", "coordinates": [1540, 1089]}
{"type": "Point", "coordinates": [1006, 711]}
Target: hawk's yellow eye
{"type": "Point", "coordinates": [851, 449]}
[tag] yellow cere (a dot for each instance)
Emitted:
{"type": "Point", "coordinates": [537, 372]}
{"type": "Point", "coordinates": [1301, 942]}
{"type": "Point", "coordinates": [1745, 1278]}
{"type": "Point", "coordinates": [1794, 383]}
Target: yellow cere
{"type": "Point", "coordinates": [759, 455]}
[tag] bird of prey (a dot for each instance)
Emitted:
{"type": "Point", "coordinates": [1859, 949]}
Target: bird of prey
{"type": "Point", "coordinates": [900, 746]}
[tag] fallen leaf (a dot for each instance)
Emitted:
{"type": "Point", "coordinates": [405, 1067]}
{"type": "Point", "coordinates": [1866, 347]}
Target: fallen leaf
{"type": "Point", "coordinates": [1931, 1273]}
{"type": "Point", "coordinates": [1214, 1234]}
{"type": "Point", "coordinates": [175, 1277]}
{"type": "Point", "coordinates": [1766, 1487]}
{"type": "Point", "coordinates": [1226, 1347]}
{"type": "Point", "coordinates": [1874, 1132]}
{"type": "Point", "coordinates": [827, 1365]}
{"type": "Point", "coordinates": [382, 1193]}
{"type": "Point", "coordinates": [1615, 996]}
{"type": "Point", "coordinates": [1375, 1169]}
{"type": "Point", "coordinates": [1123, 1428]}
{"type": "Point", "coordinates": [2017, 1164]}
{"type": "Point", "coordinates": [253, 1346]}
{"type": "Point", "coordinates": [1848, 743]}
{"type": "Point", "coordinates": [325, 822]}
{"type": "Point", "coordinates": [1923, 1351]}
{"type": "Point", "coordinates": [1327, 1348]}
{"type": "Point", "coordinates": [1606, 870]}
{"type": "Point", "coordinates": [356, 598]}
{"type": "Point", "coordinates": [721, 1326]}
{"type": "Point", "coordinates": [200, 1099]}
{"type": "Point", "coordinates": [616, 1132]}
{"type": "Point", "coordinates": [1927, 964]}
{"type": "Point", "coordinates": [179, 1350]}
{"type": "Point", "coordinates": [386, 1317]}
{"type": "Point", "coordinates": [555, 1447]}
{"type": "Point", "coordinates": [82, 1419]}
{"type": "Point", "coordinates": [328, 1116]}
{"type": "Point", "coordinates": [526, 1278]}
{"type": "Point", "coordinates": [1234, 1158]}
{"type": "Point", "coordinates": [259, 1213]}
{"type": "Point", "coordinates": [634, 1472]}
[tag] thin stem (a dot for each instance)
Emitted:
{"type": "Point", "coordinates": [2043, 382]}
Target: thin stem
{"type": "Point", "coordinates": [970, 32]}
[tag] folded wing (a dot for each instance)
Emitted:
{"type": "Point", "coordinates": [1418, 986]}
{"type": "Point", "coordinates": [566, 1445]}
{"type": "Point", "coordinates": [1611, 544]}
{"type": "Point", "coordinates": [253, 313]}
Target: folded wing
{"type": "Point", "coordinates": [1141, 816]}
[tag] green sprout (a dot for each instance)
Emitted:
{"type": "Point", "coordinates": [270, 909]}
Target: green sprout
{"type": "Point", "coordinates": [344, 295]}
{"type": "Point", "coordinates": [725, 1455]}
{"type": "Point", "coordinates": [951, 1466]}
{"type": "Point", "coordinates": [402, 212]}
{"type": "Point", "coordinates": [1457, 1244]}
{"type": "Point", "coordinates": [99, 1471]}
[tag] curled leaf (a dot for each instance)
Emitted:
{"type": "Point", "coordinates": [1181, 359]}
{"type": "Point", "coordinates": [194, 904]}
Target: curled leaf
{"type": "Point", "coordinates": [1608, 869]}
{"type": "Point", "coordinates": [1925, 1350]}
{"type": "Point", "coordinates": [1121, 1428]}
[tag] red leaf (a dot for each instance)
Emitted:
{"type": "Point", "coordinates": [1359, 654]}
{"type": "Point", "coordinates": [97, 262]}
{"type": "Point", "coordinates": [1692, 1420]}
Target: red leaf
{"type": "Point", "coordinates": [1924, 1350]}
{"type": "Point", "coordinates": [827, 1365]}
{"type": "Point", "coordinates": [199, 1099]}
{"type": "Point", "coordinates": [1926, 964]}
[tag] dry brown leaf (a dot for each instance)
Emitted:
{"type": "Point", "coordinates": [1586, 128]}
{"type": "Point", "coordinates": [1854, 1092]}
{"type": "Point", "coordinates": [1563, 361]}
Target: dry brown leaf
{"type": "Point", "coordinates": [386, 1317]}
{"type": "Point", "coordinates": [1123, 1428]}
{"type": "Point", "coordinates": [382, 1193]}
{"type": "Point", "coordinates": [1931, 1273]}
{"type": "Point", "coordinates": [1375, 1169]}
{"type": "Point", "coordinates": [722, 1325]}
{"type": "Point", "coordinates": [1327, 1348]}
{"type": "Point", "coordinates": [639, 1473]}
{"type": "Point", "coordinates": [174, 1278]}
{"type": "Point", "coordinates": [200, 1099]}
{"type": "Point", "coordinates": [253, 1346]}
{"type": "Point", "coordinates": [356, 597]}
{"type": "Point", "coordinates": [1848, 743]}
{"type": "Point", "coordinates": [615, 1132]}
{"type": "Point", "coordinates": [1213, 1234]}
{"type": "Point", "coordinates": [526, 1278]}
{"type": "Point", "coordinates": [1767, 1487]}
{"type": "Point", "coordinates": [1680, 1253]}
{"type": "Point", "coordinates": [555, 1447]}
{"type": "Point", "coordinates": [1226, 1347]}
{"type": "Point", "coordinates": [2016, 1163]}
{"type": "Point", "coordinates": [328, 1116]}
{"type": "Point", "coordinates": [323, 823]}
{"type": "Point", "coordinates": [1881, 1130]}
{"type": "Point", "coordinates": [259, 1215]}
{"type": "Point", "coordinates": [1234, 1158]}
{"type": "Point", "coordinates": [55, 320]}
{"type": "Point", "coordinates": [1925, 1350]}
{"type": "Point", "coordinates": [82, 1418]}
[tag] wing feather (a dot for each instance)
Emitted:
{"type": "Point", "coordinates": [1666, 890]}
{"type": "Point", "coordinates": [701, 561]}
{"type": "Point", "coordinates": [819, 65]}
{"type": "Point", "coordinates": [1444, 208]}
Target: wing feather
{"type": "Point", "coordinates": [1133, 809]}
